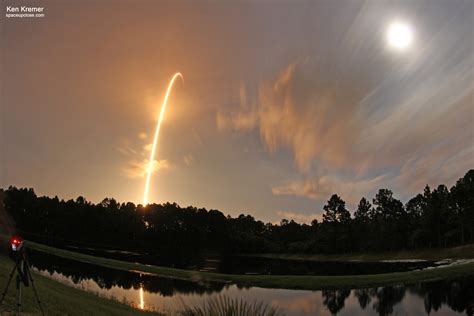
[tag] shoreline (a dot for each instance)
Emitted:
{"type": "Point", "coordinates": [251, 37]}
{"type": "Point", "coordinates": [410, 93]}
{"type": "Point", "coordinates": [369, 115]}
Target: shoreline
{"type": "Point", "coordinates": [299, 282]}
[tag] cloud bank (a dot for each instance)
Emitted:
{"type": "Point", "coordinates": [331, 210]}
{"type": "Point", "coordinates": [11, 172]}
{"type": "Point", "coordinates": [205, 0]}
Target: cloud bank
{"type": "Point", "coordinates": [352, 137]}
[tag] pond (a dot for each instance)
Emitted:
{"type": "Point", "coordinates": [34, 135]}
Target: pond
{"type": "Point", "coordinates": [232, 264]}
{"type": "Point", "coordinates": [453, 297]}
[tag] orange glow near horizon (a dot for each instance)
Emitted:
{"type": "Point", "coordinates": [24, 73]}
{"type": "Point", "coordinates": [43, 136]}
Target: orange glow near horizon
{"type": "Point", "coordinates": [155, 140]}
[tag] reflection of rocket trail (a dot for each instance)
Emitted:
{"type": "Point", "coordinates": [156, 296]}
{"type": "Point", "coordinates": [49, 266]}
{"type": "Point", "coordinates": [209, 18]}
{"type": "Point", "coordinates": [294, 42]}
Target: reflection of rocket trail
{"type": "Point", "coordinates": [157, 132]}
{"type": "Point", "coordinates": [142, 302]}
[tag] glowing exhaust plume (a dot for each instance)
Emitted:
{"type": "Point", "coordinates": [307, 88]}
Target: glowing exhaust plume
{"type": "Point", "coordinates": [157, 132]}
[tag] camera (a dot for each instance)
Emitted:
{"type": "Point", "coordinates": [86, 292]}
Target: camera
{"type": "Point", "coordinates": [16, 244]}
{"type": "Point", "coordinates": [18, 253]}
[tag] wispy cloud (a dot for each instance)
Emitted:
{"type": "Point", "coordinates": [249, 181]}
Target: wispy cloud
{"type": "Point", "coordinates": [188, 160]}
{"type": "Point", "coordinates": [321, 188]}
{"type": "Point", "coordinates": [246, 118]}
{"type": "Point", "coordinates": [351, 136]}
{"type": "Point", "coordinates": [139, 169]}
{"type": "Point", "coordinates": [137, 158]}
{"type": "Point", "coordinates": [300, 111]}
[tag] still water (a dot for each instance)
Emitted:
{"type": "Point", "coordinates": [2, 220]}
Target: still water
{"type": "Point", "coordinates": [231, 264]}
{"type": "Point", "coordinates": [454, 297]}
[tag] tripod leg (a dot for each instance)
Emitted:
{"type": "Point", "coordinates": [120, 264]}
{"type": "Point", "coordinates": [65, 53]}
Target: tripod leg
{"type": "Point", "coordinates": [18, 287]}
{"type": "Point", "coordinates": [28, 275]}
{"type": "Point", "coordinates": [8, 283]}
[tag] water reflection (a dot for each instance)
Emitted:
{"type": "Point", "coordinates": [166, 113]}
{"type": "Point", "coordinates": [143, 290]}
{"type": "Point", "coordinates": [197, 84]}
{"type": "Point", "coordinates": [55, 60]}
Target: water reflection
{"type": "Point", "coordinates": [334, 300]}
{"type": "Point", "coordinates": [169, 295]}
{"type": "Point", "coordinates": [142, 303]}
{"type": "Point", "coordinates": [108, 278]}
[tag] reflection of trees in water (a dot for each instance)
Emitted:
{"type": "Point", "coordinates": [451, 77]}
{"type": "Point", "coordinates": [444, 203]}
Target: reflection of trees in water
{"type": "Point", "coordinates": [456, 294]}
{"type": "Point", "coordinates": [334, 299]}
{"type": "Point", "coordinates": [387, 297]}
{"type": "Point", "coordinates": [363, 296]}
{"type": "Point", "coordinates": [107, 278]}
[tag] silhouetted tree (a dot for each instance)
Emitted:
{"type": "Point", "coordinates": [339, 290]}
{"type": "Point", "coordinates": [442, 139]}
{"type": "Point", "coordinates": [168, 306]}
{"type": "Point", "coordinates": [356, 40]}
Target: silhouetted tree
{"type": "Point", "coordinates": [391, 220]}
{"type": "Point", "coordinates": [336, 224]}
{"type": "Point", "coordinates": [335, 211]}
{"type": "Point", "coordinates": [463, 202]}
{"type": "Point", "coordinates": [362, 218]}
{"type": "Point", "coordinates": [416, 208]}
{"type": "Point", "coordinates": [434, 218]}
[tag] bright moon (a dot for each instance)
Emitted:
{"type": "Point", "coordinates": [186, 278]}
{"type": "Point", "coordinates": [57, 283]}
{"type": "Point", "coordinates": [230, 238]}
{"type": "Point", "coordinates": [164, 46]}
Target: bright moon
{"type": "Point", "coordinates": [399, 35]}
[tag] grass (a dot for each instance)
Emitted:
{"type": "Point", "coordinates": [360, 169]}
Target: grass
{"type": "Point", "coordinates": [274, 281]}
{"type": "Point", "coordinates": [461, 252]}
{"type": "Point", "coordinates": [224, 306]}
{"type": "Point", "coordinates": [57, 298]}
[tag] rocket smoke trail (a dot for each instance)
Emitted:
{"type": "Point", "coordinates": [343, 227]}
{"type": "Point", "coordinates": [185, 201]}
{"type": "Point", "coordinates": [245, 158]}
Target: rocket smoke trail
{"type": "Point", "coordinates": [157, 132]}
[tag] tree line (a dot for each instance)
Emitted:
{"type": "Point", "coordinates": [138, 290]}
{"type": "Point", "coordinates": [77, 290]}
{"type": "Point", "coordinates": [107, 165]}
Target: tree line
{"type": "Point", "coordinates": [438, 217]}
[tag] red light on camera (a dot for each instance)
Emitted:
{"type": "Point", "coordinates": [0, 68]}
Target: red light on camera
{"type": "Point", "coordinates": [15, 242]}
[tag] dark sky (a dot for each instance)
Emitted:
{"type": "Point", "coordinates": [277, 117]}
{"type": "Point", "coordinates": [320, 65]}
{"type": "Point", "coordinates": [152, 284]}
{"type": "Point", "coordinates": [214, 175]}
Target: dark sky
{"type": "Point", "coordinates": [283, 102]}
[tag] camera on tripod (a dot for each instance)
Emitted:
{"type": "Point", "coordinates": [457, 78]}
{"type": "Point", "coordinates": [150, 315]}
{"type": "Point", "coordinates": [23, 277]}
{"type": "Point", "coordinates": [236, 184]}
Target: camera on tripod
{"type": "Point", "coordinates": [18, 254]}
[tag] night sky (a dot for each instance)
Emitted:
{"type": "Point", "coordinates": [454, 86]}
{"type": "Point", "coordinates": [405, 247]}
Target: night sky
{"type": "Point", "coordinates": [283, 102]}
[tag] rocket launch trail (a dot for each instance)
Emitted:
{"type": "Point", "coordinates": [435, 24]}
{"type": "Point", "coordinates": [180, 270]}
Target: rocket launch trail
{"type": "Point", "coordinates": [157, 132]}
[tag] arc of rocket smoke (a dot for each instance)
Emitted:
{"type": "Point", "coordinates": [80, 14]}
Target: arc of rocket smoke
{"type": "Point", "coordinates": [157, 132]}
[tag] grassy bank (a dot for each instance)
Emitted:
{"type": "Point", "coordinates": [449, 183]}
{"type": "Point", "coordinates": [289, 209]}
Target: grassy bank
{"type": "Point", "coordinates": [461, 252]}
{"type": "Point", "coordinates": [56, 298]}
{"type": "Point", "coordinates": [274, 281]}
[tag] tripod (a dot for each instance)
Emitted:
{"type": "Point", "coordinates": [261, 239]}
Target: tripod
{"type": "Point", "coordinates": [23, 277]}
